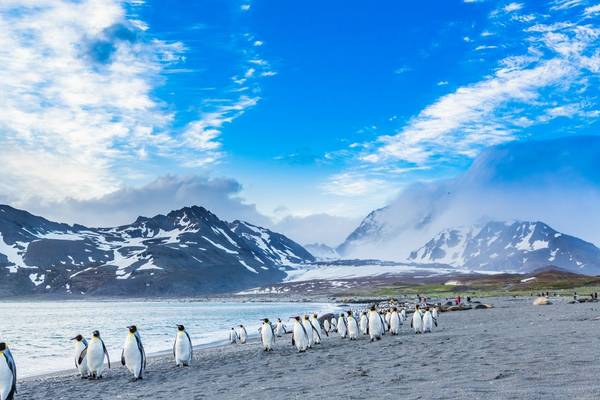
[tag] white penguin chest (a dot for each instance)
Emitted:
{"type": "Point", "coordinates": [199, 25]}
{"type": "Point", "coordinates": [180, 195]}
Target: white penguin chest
{"type": "Point", "coordinates": [6, 376]}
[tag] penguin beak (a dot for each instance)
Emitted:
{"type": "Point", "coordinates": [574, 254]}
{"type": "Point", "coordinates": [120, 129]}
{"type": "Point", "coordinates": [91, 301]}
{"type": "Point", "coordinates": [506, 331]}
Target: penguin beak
{"type": "Point", "coordinates": [73, 338]}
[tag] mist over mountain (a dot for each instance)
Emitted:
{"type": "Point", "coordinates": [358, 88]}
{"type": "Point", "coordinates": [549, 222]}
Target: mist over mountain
{"type": "Point", "coordinates": [555, 181]}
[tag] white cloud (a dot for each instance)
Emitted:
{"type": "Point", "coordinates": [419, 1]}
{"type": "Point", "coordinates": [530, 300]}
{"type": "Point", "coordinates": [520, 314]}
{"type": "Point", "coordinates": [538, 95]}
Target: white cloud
{"type": "Point", "coordinates": [350, 184]}
{"type": "Point", "coordinates": [483, 47]}
{"type": "Point", "coordinates": [77, 105]}
{"type": "Point", "coordinates": [402, 70]}
{"type": "Point", "coordinates": [566, 4]}
{"type": "Point", "coordinates": [442, 83]}
{"type": "Point", "coordinates": [245, 7]}
{"type": "Point", "coordinates": [484, 113]}
{"type": "Point", "coordinates": [258, 43]}
{"type": "Point", "coordinates": [512, 7]}
{"type": "Point", "coordinates": [592, 10]}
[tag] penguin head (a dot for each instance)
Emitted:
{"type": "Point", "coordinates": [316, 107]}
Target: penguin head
{"type": "Point", "coordinates": [315, 315]}
{"type": "Point", "coordinates": [2, 346]}
{"type": "Point", "coordinates": [417, 307]}
{"type": "Point", "coordinates": [180, 328]}
{"type": "Point", "coordinates": [266, 320]}
{"type": "Point", "coordinates": [305, 316]}
{"type": "Point", "coordinates": [394, 309]}
{"type": "Point", "coordinates": [372, 307]}
{"type": "Point", "coordinates": [132, 329]}
{"type": "Point", "coordinates": [297, 318]}
{"type": "Point", "coordinates": [349, 313]}
{"type": "Point", "coordinates": [96, 334]}
{"type": "Point", "coordinates": [79, 338]}
{"type": "Point", "coordinates": [278, 319]}
{"type": "Point", "coordinates": [241, 326]}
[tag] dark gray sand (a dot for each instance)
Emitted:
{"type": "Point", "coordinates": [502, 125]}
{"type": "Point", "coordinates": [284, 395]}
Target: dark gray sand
{"type": "Point", "coordinates": [514, 351]}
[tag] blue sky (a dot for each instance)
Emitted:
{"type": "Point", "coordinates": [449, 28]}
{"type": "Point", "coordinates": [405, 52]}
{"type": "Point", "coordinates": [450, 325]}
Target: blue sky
{"type": "Point", "coordinates": [308, 107]}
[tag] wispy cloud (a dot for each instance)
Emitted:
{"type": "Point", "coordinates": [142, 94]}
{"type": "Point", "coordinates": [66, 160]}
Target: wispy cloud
{"type": "Point", "coordinates": [78, 110]}
{"type": "Point", "coordinates": [510, 7]}
{"type": "Point", "coordinates": [556, 66]}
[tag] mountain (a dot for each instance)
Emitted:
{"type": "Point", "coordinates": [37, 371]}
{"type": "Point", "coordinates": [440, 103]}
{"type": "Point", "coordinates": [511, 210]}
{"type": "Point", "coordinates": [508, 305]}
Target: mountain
{"type": "Point", "coordinates": [556, 181]}
{"type": "Point", "coordinates": [515, 246]}
{"type": "Point", "coordinates": [269, 246]}
{"type": "Point", "coordinates": [186, 252]}
{"type": "Point", "coordinates": [322, 252]}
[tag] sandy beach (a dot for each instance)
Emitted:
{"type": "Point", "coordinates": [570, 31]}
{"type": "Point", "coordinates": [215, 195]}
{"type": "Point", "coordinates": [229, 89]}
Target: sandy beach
{"type": "Point", "coordinates": [513, 351]}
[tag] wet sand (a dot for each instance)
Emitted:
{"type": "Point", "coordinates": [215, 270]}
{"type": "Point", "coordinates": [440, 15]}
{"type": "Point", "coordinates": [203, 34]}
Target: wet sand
{"type": "Point", "coordinates": [513, 351]}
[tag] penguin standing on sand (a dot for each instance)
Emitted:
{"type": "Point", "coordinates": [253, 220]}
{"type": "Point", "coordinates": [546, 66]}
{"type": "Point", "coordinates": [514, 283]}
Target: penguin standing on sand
{"type": "Point", "coordinates": [376, 324]}
{"type": "Point", "coordinates": [80, 355]}
{"type": "Point", "coordinates": [395, 322]}
{"type": "Point", "coordinates": [95, 354]}
{"type": "Point", "coordinates": [434, 315]}
{"type": "Point", "coordinates": [280, 328]}
{"type": "Point", "coordinates": [427, 321]}
{"type": "Point", "coordinates": [352, 326]}
{"type": "Point", "coordinates": [327, 326]}
{"type": "Point", "coordinates": [299, 335]}
{"type": "Point", "coordinates": [342, 327]}
{"type": "Point", "coordinates": [267, 335]}
{"type": "Point", "coordinates": [364, 323]}
{"type": "Point", "coordinates": [133, 355]}
{"type": "Point", "coordinates": [316, 328]}
{"type": "Point", "coordinates": [183, 351]}
{"type": "Point", "coordinates": [386, 326]}
{"type": "Point", "coordinates": [233, 336]}
{"type": "Point", "coordinates": [243, 335]}
{"type": "Point", "coordinates": [8, 373]}
{"type": "Point", "coordinates": [309, 330]}
{"type": "Point", "coordinates": [417, 320]}
{"type": "Point", "coordinates": [333, 322]}
{"type": "Point", "coordinates": [403, 314]}
{"type": "Point", "coordinates": [388, 318]}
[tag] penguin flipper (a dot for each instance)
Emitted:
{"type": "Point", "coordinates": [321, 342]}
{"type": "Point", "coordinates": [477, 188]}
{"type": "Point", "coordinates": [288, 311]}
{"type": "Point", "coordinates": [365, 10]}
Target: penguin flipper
{"type": "Point", "coordinates": [105, 352]}
{"type": "Point", "coordinates": [191, 346]}
{"type": "Point", "coordinates": [10, 361]}
{"type": "Point", "coordinates": [81, 357]}
{"type": "Point", "coordinates": [123, 357]}
{"type": "Point", "coordinates": [293, 341]}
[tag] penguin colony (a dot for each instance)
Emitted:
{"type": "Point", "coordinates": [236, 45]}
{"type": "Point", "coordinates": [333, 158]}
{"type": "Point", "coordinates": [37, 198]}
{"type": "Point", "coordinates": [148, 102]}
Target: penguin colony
{"type": "Point", "coordinates": [90, 355]}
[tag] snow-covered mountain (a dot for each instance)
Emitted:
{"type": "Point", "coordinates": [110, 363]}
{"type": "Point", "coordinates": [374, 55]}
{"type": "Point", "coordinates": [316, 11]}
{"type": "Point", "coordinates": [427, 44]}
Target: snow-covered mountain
{"type": "Point", "coordinates": [556, 181]}
{"type": "Point", "coordinates": [322, 252]}
{"type": "Point", "coordinates": [513, 246]}
{"type": "Point", "coordinates": [188, 251]}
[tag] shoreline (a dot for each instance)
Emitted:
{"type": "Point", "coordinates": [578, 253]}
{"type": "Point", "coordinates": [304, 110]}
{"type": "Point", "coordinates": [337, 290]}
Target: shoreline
{"type": "Point", "coordinates": [514, 350]}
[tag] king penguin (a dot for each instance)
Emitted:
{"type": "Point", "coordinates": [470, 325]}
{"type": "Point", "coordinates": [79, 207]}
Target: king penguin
{"type": "Point", "coordinates": [402, 315]}
{"type": "Point", "coordinates": [183, 351]}
{"type": "Point", "coordinates": [376, 324]}
{"type": "Point", "coordinates": [395, 322]}
{"type": "Point", "coordinates": [95, 356]}
{"type": "Point", "coordinates": [342, 327]}
{"type": "Point", "coordinates": [309, 330]}
{"type": "Point", "coordinates": [267, 335]}
{"type": "Point", "coordinates": [233, 336]}
{"type": "Point", "coordinates": [80, 355]}
{"type": "Point", "coordinates": [8, 373]}
{"type": "Point", "coordinates": [434, 315]}
{"type": "Point", "coordinates": [427, 321]}
{"type": "Point", "coordinates": [417, 320]}
{"type": "Point", "coordinates": [364, 323]}
{"type": "Point", "coordinates": [352, 326]}
{"type": "Point", "coordinates": [327, 326]}
{"type": "Point", "coordinates": [280, 328]}
{"type": "Point", "coordinates": [243, 335]}
{"type": "Point", "coordinates": [133, 355]}
{"type": "Point", "coordinates": [299, 335]}
{"type": "Point", "coordinates": [316, 328]}
{"type": "Point", "coordinates": [333, 323]}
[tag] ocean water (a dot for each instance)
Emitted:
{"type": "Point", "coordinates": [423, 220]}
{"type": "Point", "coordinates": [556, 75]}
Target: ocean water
{"type": "Point", "coordinates": [38, 332]}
